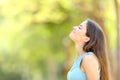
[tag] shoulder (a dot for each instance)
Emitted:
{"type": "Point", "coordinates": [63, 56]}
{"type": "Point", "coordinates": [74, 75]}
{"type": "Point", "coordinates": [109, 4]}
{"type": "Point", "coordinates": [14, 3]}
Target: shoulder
{"type": "Point", "coordinates": [90, 57]}
{"type": "Point", "coordinates": [89, 61]}
{"type": "Point", "coordinates": [90, 65]}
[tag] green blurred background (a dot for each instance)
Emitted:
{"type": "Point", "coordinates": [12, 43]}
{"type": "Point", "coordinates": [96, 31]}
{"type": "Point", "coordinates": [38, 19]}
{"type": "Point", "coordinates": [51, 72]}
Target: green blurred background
{"type": "Point", "coordinates": [34, 42]}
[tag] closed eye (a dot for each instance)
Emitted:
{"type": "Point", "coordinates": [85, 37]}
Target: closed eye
{"type": "Point", "coordinates": [79, 27]}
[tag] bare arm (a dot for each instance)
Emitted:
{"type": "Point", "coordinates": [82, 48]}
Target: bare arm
{"type": "Point", "coordinates": [90, 65]}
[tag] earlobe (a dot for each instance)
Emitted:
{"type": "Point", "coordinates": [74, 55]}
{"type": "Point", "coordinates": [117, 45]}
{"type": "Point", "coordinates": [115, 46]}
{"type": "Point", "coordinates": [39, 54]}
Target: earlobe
{"type": "Point", "coordinates": [87, 39]}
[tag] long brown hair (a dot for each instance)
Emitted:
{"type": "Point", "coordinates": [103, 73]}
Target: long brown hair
{"type": "Point", "coordinates": [97, 45]}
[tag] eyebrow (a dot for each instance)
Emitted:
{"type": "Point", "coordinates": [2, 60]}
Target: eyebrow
{"type": "Point", "coordinates": [80, 25]}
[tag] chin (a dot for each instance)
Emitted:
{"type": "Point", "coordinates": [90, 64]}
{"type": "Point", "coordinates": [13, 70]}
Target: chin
{"type": "Point", "coordinates": [71, 36]}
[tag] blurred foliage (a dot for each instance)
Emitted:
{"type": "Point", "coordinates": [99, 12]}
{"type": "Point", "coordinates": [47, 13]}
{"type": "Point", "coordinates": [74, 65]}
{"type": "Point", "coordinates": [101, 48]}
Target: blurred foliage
{"type": "Point", "coordinates": [34, 35]}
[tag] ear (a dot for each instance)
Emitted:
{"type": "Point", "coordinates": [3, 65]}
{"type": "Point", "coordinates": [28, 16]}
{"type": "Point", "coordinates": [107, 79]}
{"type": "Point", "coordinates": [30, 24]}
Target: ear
{"type": "Point", "coordinates": [86, 39]}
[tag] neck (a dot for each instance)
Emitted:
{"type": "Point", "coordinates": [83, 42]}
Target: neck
{"type": "Point", "coordinates": [79, 49]}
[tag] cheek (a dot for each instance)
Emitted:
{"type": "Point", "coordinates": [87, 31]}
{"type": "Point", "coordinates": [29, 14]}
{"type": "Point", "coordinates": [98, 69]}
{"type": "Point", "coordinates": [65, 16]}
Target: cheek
{"type": "Point", "coordinates": [80, 36]}
{"type": "Point", "coordinates": [76, 36]}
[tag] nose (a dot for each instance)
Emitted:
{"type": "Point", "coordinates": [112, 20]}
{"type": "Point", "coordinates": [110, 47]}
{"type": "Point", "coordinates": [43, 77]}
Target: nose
{"type": "Point", "coordinates": [74, 27]}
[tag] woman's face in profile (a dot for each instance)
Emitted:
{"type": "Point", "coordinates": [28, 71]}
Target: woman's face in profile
{"type": "Point", "coordinates": [79, 32]}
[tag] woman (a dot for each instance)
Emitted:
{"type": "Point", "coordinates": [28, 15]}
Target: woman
{"type": "Point", "coordinates": [91, 62]}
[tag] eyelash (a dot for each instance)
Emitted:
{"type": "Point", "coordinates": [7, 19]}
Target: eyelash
{"type": "Point", "coordinates": [79, 27]}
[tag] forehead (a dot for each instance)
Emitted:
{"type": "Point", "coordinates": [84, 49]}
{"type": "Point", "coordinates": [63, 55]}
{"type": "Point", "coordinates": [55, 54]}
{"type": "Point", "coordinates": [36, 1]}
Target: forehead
{"type": "Point", "coordinates": [83, 24]}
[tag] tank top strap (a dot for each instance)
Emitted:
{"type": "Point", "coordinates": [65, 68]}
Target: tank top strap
{"type": "Point", "coordinates": [79, 60]}
{"type": "Point", "coordinates": [82, 56]}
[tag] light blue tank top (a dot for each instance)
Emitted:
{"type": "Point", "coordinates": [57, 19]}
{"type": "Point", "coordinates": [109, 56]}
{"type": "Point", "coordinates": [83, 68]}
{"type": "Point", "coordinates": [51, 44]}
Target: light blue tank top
{"type": "Point", "coordinates": [75, 72]}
